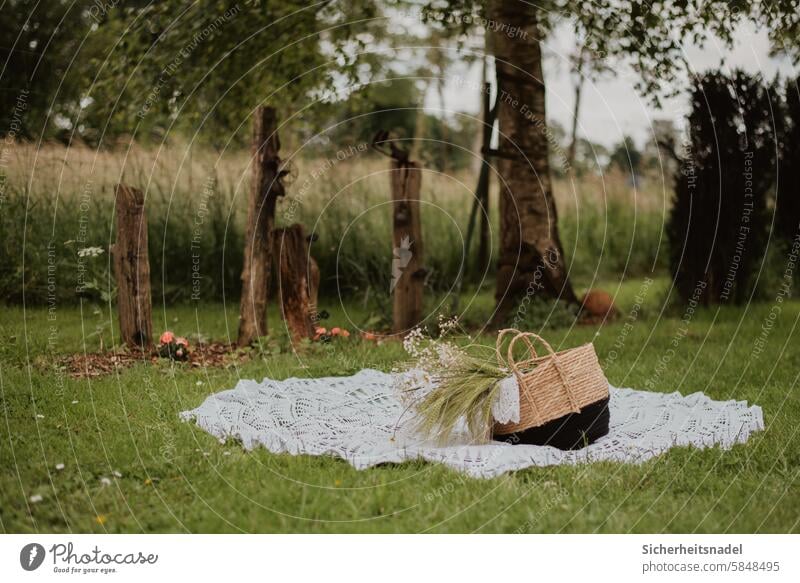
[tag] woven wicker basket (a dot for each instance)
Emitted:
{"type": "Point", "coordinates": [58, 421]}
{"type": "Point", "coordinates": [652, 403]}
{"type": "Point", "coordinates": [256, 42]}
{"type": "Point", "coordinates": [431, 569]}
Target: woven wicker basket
{"type": "Point", "coordinates": [552, 385]}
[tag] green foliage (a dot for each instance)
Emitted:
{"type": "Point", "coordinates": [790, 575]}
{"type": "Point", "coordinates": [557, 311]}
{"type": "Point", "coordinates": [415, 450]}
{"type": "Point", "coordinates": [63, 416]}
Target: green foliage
{"type": "Point", "coordinates": [534, 313]}
{"type": "Point", "coordinates": [395, 105]}
{"type": "Point", "coordinates": [272, 344]}
{"type": "Point", "coordinates": [624, 237]}
{"type": "Point", "coordinates": [391, 105]}
{"type": "Point", "coordinates": [787, 195]}
{"type": "Point", "coordinates": [40, 241]}
{"type": "Point", "coordinates": [148, 69]}
{"type": "Point", "coordinates": [719, 223]}
{"type": "Point", "coordinates": [627, 157]}
{"type": "Point", "coordinates": [38, 83]}
{"type": "Point", "coordinates": [650, 37]}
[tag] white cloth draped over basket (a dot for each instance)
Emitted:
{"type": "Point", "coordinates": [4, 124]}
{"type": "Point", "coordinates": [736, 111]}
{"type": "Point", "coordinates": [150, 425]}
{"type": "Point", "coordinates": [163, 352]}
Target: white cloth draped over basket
{"type": "Point", "coordinates": [362, 419]}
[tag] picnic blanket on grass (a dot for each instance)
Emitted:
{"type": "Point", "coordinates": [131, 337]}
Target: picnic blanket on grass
{"type": "Point", "coordinates": [362, 419]}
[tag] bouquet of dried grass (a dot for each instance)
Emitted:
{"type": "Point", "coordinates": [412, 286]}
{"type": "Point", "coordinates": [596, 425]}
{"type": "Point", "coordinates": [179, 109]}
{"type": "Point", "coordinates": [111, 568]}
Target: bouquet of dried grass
{"type": "Point", "coordinates": [465, 381]}
{"type": "Point", "coordinates": [465, 389]}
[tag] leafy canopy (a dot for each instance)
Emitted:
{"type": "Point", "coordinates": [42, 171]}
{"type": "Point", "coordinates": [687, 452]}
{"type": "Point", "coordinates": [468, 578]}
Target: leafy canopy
{"type": "Point", "coordinates": [650, 33]}
{"type": "Point", "coordinates": [150, 67]}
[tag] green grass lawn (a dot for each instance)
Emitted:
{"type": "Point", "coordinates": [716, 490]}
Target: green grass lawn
{"type": "Point", "coordinates": [130, 464]}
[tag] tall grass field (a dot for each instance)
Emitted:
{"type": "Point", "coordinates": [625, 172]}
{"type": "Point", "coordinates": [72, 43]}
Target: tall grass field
{"type": "Point", "coordinates": [57, 201]}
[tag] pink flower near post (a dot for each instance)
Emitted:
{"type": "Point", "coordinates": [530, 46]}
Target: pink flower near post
{"type": "Point", "coordinates": [167, 337]}
{"type": "Point", "coordinates": [181, 341]}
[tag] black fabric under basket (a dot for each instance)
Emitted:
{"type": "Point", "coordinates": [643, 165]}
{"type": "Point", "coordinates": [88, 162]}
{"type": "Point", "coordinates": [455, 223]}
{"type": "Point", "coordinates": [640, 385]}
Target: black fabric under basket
{"type": "Point", "coordinates": [572, 431]}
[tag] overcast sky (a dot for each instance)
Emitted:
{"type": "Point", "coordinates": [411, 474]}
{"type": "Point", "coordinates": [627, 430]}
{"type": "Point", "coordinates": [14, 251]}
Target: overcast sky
{"type": "Point", "coordinates": [612, 107]}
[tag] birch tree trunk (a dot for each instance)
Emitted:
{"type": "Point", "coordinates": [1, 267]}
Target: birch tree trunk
{"type": "Point", "coordinates": [531, 257]}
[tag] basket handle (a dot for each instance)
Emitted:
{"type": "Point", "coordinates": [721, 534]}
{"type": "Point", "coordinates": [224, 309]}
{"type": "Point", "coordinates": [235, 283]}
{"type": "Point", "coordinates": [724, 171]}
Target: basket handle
{"type": "Point", "coordinates": [525, 337]}
{"type": "Point", "coordinates": [499, 344]}
{"type": "Point", "coordinates": [518, 335]}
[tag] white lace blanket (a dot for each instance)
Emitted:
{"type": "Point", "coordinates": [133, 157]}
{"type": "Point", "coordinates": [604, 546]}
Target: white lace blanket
{"type": "Point", "coordinates": [361, 419]}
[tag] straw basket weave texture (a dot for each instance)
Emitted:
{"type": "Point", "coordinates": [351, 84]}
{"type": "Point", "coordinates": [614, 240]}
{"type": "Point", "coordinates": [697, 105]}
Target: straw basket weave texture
{"type": "Point", "coordinates": [552, 385]}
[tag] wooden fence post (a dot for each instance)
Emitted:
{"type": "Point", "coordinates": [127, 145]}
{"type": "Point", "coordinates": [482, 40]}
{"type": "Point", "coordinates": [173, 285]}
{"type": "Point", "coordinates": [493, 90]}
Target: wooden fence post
{"type": "Point", "coordinates": [132, 269]}
{"type": "Point", "coordinates": [265, 188]}
{"type": "Point", "coordinates": [408, 274]}
{"type": "Point", "coordinates": [313, 285]}
{"type": "Point", "coordinates": [295, 279]}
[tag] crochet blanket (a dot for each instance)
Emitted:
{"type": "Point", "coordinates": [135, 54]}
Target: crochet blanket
{"type": "Point", "coordinates": [361, 419]}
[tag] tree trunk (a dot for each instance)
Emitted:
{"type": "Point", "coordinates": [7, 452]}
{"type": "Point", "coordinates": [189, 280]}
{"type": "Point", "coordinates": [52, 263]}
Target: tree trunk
{"type": "Point", "coordinates": [483, 234]}
{"type": "Point", "coordinates": [265, 188]}
{"type": "Point", "coordinates": [573, 142]}
{"type": "Point", "coordinates": [444, 142]}
{"type": "Point", "coordinates": [531, 256]}
{"type": "Point", "coordinates": [480, 203]}
{"type": "Point", "coordinates": [408, 274]}
{"type": "Point", "coordinates": [132, 269]}
{"type": "Point", "coordinates": [295, 277]}
{"type": "Point", "coordinates": [482, 191]}
{"type": "Point", "coordinates": [477, 143]}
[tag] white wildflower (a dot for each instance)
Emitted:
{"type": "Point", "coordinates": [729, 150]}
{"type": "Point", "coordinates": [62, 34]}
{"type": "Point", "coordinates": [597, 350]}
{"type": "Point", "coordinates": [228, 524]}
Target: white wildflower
{"type": "Point", "coordinates": [116, 474]}
{"type": "Point", "coordinates": [447, 325]}
{"type": "Point", "coordinates": [39, 416]}
{"type": "Point", "coordinates": [90, 252]}
{"type": "Point", "coordinates": [413, 342]}
{"type": "Point", "coordinates": [36, 498]}
{"type": "Point", "coordinates": [105, 481]}
{"type": "Point", "coordinates": [59, 467]}
{"type": "Point", "coordinates": [448, 355]}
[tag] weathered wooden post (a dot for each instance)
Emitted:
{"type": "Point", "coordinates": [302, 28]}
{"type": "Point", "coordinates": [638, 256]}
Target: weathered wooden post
{"type": "Point", "coordinates": [265, 188]}
{"type": "Point", "coordinates": [132, 269]}
{"type": "Point", "coordinates": [408, 275]}
{"type": "Point", "coordinates": [295, 281]}
{"type": "Point", "coordinates": [313, 284]}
